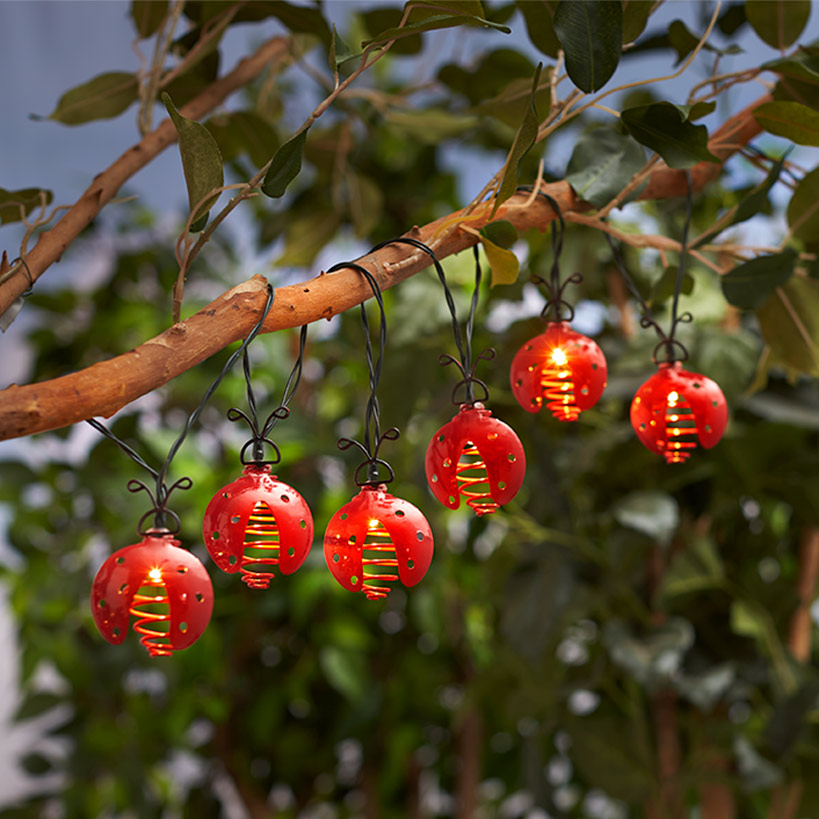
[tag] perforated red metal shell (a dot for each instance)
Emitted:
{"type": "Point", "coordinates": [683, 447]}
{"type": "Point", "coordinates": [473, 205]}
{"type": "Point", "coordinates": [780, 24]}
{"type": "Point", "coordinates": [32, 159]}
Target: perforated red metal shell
{"type": "Point", "coordinates": [231, 513]}
{"type": "Point", "coordinates": [675, 409]}
{"type": "Point", "coordinates": [474, 431]}
{"type": "Point", "coordinates": [158, 562]}
{"type": "Point", "coordinates": [404, 526]}
{"type": "Point", "coordinates": [560, 367]}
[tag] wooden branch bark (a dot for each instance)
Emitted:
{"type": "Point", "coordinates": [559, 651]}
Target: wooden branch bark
{"type": "Point", "coordinates": [107, 386]}
{"type": "Point", "coordinates": [52, 243]}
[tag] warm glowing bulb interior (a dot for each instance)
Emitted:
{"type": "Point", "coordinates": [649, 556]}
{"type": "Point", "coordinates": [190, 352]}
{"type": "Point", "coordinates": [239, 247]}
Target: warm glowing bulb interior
{"type": "Point", "coordinates": [374, 524]}
{"type": "Point", "coordinates": [673, 397]}
{"type": "Point", "coordinates": [155, 575]}
{"type": "Point", "coordinates": [558, 356]}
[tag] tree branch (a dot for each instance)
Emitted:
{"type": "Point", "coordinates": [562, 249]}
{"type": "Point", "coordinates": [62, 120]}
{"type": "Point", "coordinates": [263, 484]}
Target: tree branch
{"type": "Point", "coordinates": [53, 243]}
{"type": "Point", "coordinates": [107, 386]}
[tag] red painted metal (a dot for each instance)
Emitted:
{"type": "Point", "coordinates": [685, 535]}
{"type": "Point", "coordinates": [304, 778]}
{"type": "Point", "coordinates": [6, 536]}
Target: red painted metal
{"type": "Point", "coordinates": [375, 539]}
{"type": "Point", "coordinates": [675, 409]}
{"type": "Point", "coordinates": [166, 589]}
{"type": "Point", "coordinates": [561, 368]}
{"type": "Point", "coordinates": [258, 523]}
{"type": "Point", "coordinates": [478, 457]}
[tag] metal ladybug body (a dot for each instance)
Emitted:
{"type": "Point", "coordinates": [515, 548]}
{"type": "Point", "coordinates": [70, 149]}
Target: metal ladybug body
{"type": "Point", "coordinates": [165, 587]}
{"type": "Point", "coordinates": [258, 523]}
{"type": "Point", "coordinates": [560, 367]}
{"type": "Point", "coordinates": [375, 539]}
{"type": "Point", "coordinates": [478, 457]}
{"type": "Point", "coordinates": [676, 409]}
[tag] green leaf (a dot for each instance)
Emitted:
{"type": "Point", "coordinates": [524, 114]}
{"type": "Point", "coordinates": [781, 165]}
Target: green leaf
{"type": "Point", "coordinates": [431, 126]}
{"type": "Point", "coordinates": [706, 689]}
{"type": "Point", "coordinates": [791, 120]}
{"type": "Point", "coordinates": [789, 321]}
{"type": "Point", "coordinates": [201, 162]}
{"type": "Point", "coordinates": [511, 104]}
{"type": "Point", "coordinates": [104, 97]}
{"type": "Point", "coordinates": [603, 162]}
{"type": "Point", "coordinates": [778, 22]}
{"type": "Point", "coordinates": [28, 198]}
{"type": "Point", "coordinates": [653, 513]}
{"type": "Point", "coordinates": [539, 16]}
{"type": "Point", "coordinates": [666, 129]}
{"type": "Point", "coordinates": [757, 773]}
{"type": "Point", "coordinates": [788, 720]}
{"type": "Point", "coordinates": [503, 263]}
{"type": "Point", "coordinates": [436, 15]}
{"type": "Point", "coordinates": [35, 705]}
{"type": "Point", "coordinates": [195, 80]}
{"type": "Point", "coordinates": [653, 659]}
{"type": "Point", "coordinates": [340, 51]}
{"type": "Point", "coordinates": [147, 15]}
{"type": "Point", "coordinates": [750, 284]}
{"type": "Point", "coordinates": [803, 209]}
{"type": "Point", "coordinates": [613, 755]}
{"type": "Point", "coordinates": [664, 287]}
{"type": "Point", "coordinates": [803, 66]}
{"type": "Point", "coordinates": [305, 236]}
{"type": "Point", "coordinates": [490, 77]}
{"type": "Point", "coordinates": [345, 671]}
{"type": "Point", "coordinates": [752, 204]}
{"type": "Point", "coordinates": [285, 166]}
{"type": "Point", "coordinates": [524, 140]}
{"type": "Point", "coordinates": [590, 32]}
{"type": "Point", "coordinates": [501, 233]}
{"type": "Point", "coordinates": [696, 568]}
{"type": "Point", "coordinates": [244, 132]}
{"type": "Point", "coordinates": [366, 203]}
{"type": "Point", "coordinates": [635, 18]}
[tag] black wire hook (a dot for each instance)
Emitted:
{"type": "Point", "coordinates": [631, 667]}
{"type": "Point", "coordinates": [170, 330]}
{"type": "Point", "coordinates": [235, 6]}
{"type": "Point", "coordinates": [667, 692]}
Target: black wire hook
{"type": "Point", "coordinates": [260, 435]}
{"type": "Point", "coordinates": [555, 303]}
{"type": "Point", "coordinates": [673, 348]}
{"type": "Point", "coordinates": [372, 440]}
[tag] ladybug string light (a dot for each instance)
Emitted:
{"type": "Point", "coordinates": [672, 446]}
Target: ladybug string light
{"type": "Point", "coordinates": [675, 410]}
{"type": "Point", "coordinates": [475, 457]}
{"type": "Point", "coordinates": [560, 368]}
{"type": "Point", "coordinates": [164, 587]}
{"type": "Point", "coordinates": [258, 524]}
{"type": "Point", "coordinates": [375, 540]}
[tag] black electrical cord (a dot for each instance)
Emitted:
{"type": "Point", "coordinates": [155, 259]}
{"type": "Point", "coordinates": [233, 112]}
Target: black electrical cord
{"type": "Point", "coordinates": [670, 345]}
{"type": "Point", "coordinates": [160, 496]}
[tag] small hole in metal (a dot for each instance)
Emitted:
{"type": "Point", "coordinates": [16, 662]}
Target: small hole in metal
{"type": "Point", "coordinates": [120, 560]}
{"type": "Point", "coordinates": [183, 627]}
{"type": "Point", "coordinates": [200, 598]}
{"type": "Point", "coordinates": [291, 551]}
{"type": "Point", "coordinates": [285, 498]}
{"type": "Point", "coordinates": [351, 540]}
{"type": "Point", "coordinates": [419, 535]}
{"type": "Point", "coordinates": [501, 484]}
{"type": "Point", "coordinates": [399, 513]}
{"type": "Point", "coordinates": [232, 560]}
{"type": "Point", "coordinates": [336, 558]}
{"type": "Point", "coordinates": [215, 535]}
{"type": "Point", "coordinates": [511, 458]}
{"type": "Point", "coordinates": [235, 519]}
{"type": "Point", "coordinates": [410, 564]}
{"type": "Point", "coordinates": [354, 579]}
{"type": "Point", "coordinates": [303, 524]}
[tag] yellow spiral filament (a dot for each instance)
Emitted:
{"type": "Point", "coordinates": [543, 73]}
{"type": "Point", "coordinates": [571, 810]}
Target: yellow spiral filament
{"type": "Point", "coordinates": [261, 547]}
{"type": "Point", "coordinates": [378, 559]}
{"type": "Point", "coordinates": [153, 612]}
{"type": "Point", "coordinates": [473, 481]}
{"type": "Point", "coordinates": [558, 387]}
{"type": "Point", "coordinates": [680, 429]}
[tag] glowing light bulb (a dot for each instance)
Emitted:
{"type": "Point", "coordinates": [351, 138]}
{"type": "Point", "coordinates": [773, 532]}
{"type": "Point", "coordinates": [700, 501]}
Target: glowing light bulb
{"type": "Point", "coordinates": [559, 357]}
{"type": "Point", "coordinates": [373, 524]}
{"type": "Point", "coordinates": [673, 397]}
{"type": "Point", "coordinates": [155, 575]}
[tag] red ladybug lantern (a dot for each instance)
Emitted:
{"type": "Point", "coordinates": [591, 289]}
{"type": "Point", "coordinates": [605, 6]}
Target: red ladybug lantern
{"type": "Point", "coordinates": [162, 585]}
{"type": "Point", "coordinates": [478, 457]}
{"type": "Point", "coordinates": [565, 368]}
{"type": "Point", "coordinates": [255, 524]}
{"type": "Point", "coordinates": [675, 409]}
{"type": "Point", "coordinates": [375, 539]}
